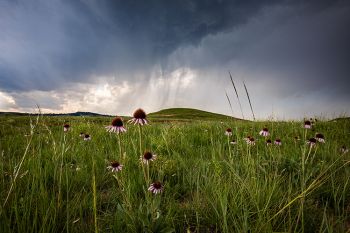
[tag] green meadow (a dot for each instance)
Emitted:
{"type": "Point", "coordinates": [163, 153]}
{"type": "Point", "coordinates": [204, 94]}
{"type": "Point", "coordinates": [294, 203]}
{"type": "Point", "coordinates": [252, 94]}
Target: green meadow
{"type": "Point", "coordinates": [54, 181]}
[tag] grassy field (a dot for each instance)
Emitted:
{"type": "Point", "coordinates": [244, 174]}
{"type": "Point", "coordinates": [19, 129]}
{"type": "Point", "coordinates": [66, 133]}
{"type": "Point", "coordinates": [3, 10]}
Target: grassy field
{"type": "Point", "coordinates": [54, 181]}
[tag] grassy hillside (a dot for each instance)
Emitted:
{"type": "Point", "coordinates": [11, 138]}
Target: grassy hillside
{"type": "Point", "coordinates": [171, 114]}
{"type": "Point", "coordinates": [165, 115]}
{"type": "Point", "coordinates": [187, 114]}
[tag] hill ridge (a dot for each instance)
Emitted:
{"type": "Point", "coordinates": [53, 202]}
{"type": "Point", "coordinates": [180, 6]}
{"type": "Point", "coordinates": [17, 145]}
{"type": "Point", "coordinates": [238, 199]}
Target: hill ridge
{"type": "Point", "coordinates": [168, 114]}
{"type": "Point", "coordinates": [79, 113]}
{"type": "Point", "coordinates": [188, 114]}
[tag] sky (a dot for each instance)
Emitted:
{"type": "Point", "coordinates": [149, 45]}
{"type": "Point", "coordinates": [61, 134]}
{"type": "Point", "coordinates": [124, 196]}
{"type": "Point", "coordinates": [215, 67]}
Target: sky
{"type": "Point", "coordinates": [112, 57]}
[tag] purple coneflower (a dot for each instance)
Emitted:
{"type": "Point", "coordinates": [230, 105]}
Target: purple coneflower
{"type": "Point", "coordinates": [139, 117]}
{"type": "Point", "coordinates": [278, 142]}
{"type": "Point", "coordinates": [233, 142]}
{"type": "Point", "coordinates": [65, 127]}
{"type": "Point", "coordinates": [115, 166]}
{"type": "Point", "coordinates": [296, 138]}
{"type": "Point", "coordinates": [251, 141]}
{"type": "Point", "coordinates": [344, 150]}
{"type": "Point", "coordinates": [147, 157]}
{"type": "Point", "coordinates": [117, 126]}
{"type": "Point", "coordinates": [307, 124]}
{"type": "Point", "coordinates": [87, 137]}
{"type": "Point", "coordinates": [156, 187]}
{"type": "Point", "coordinates": [228, 132]}
{"type": "Point", "coordinates": [320, 138]}
{"type": "Point", "coordinates": [247, 139]}
{"type": "Point", "coordinates": [81, 134]}
{"type": "Point", "coordinates": [313, 121]}
{"type": "Point", "coordinates": [311, 141]}
{"type": "Point", "coordinates": [264, 132]}
{"type": "Point", "coordinates": [268, 142]}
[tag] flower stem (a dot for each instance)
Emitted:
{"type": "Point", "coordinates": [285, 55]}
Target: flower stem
{"type": "Point", "coordinates": [229, 148]}
{"type": "Point", "coordinates": [140, 139]}
{"type": "Point", "coordinates": [120, 147]}
{"type": "Point", "coordinates": [94, 196]}
{"type": "Point", "coordinates": [147, 174]}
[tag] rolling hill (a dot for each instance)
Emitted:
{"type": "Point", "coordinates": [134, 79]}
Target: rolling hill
{"type": "Point", "coordinates": [171, 114]}
{"type": "Point", "coordinates": [187, 114]}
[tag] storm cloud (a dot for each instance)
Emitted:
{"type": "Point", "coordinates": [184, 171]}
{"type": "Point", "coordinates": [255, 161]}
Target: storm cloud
{"type": "Point", "coordinates": [113, 56]}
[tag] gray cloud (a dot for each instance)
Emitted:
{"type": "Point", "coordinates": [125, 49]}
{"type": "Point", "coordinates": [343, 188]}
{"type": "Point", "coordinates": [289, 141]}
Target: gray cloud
{"type": "Point", "coordinates": [283, 46]}
{"type": "Point", "coordinates": [72, 40]}
{"type": "Point", "coordinates": [65, 54]}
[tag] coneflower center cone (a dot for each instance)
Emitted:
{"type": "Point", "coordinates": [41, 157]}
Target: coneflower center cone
{"type": "Point", "coordinates": [118, 122]}
{"type": "Point", "coordinates": [139, 114]}
{"type": "Point", "coordinates": [115, 164]}
{"type": "Point", "coordinates": [147, 155]}
{"type": "Point", "coordinates": [157, 185]}
{"type": "Point", "coordinates": [312, 140]}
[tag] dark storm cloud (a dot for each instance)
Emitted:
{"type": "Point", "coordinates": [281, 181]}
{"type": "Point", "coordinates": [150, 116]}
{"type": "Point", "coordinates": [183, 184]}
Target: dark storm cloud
{"type": "Point", "coordinates": [300, 48]}
{"type": "Point", "coordinates": [72, 40]}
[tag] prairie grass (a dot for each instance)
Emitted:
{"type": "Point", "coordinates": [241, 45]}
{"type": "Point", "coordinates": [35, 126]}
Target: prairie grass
{"type": "Point", "coordinates": [52, 181]}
